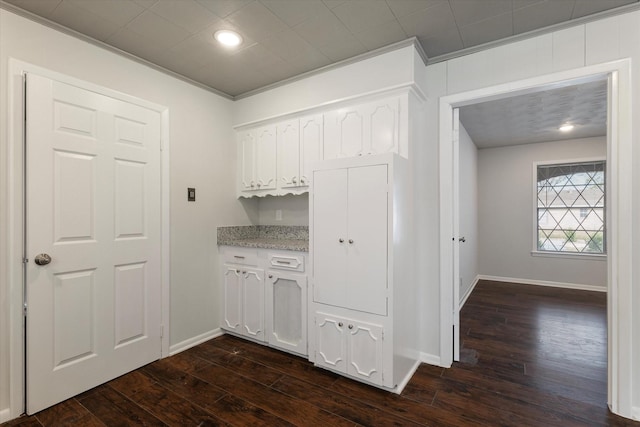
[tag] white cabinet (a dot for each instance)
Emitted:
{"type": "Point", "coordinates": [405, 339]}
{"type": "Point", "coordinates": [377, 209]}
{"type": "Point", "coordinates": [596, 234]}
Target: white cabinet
{"type": "Point", "coordinates": [286, 311]}
{"type": "Point", "coordinates": [257, 159]}
{"type": "Point", "coordinates": [299, 144]}
{"type": "Point", "coordinates": [363, 129]}
{"type": "Point", "coordinates": [350, 220]}
{"type": "Point", "coordinates": [363, 313]}
{"type": "Point", "coordinates": [350, 346]}
{"type": "Point", "coordinates": [243, 311]}
{"type": "Point", "coordinates": [267, 307]}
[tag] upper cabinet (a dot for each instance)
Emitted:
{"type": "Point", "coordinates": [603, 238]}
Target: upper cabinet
{"type": "Point", "coordinates": [275, 159]}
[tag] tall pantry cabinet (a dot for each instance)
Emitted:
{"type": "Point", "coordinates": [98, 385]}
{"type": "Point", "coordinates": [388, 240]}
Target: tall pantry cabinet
{"type": "Point", "coordinates": [363, 316]}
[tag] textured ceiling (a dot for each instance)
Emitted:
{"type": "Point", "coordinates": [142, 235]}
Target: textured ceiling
{"type": "Point", "coordinates": [536, 117]}
{"type": "Point", "coordinates": [285, 38]}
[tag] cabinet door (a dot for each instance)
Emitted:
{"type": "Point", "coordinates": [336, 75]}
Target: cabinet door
{"type": "Point", "coordinates": [364, 351]}
{"type": "Point", "coordinates": [232, 299]}
{"type": "Point", "coordinates": [367, 240]}
{"type": "Point", "coordinates": [331, 351]}
{"type": "Point", "coordinates": [344, 133]}
{"type": "Point", "coordinates": [311, 136]}
{"type": "Point", "coordinates": [265, 171]}
{"type": "Point", "coordinates": [330, 236]}
{"type": "Point", "coordinates": [382, 131]}
{"type": "Point", "coordinates": [288, 154]}
{"type": "Point", "coordinates": [246, 157]}
{"type": "Point", "coordinates": [286, 308]}
{"type": "Point", "coordinates": [253, 303]}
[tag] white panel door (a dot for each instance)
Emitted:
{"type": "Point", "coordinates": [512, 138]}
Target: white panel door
{"type": "Point", "coordinates": [330, 236]}
{"type": "Point", "coordinates": [288, 154]}
{"type": "Point", "coordinates": [253, 303]}
{"type": "Point", "coordinates": [311, 145]}
{"type": "Point", "coordinates": [367, 239]}
{"type": "Point", "coordinates": [265, 169]}
{"type": "Point", "coordinates": [93, 205]}
{"type": "Point", "coordinates": [232, 299]}
{"type": "Point", "coordinates": [364, 350]}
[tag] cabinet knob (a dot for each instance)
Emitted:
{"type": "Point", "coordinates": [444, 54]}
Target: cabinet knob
{"type": "Point", "coordinates": [253, 184]}
{"type": "Point", "coordinates": [271, 276]}
{"type": "Point", "coordinates": [237, 271]}
{"type": "Point", "coordinates": [351, 241]}
{"type": "Point", "coordinates": [302, 180]}
{"type": "Point", "coordinates": [350, 326]}
{"type": "Point", "coordinates": [294, 180]}
{"type": "Point", "coordinates": [244, 272]}
{"type": "Point", "coordinates": [341, 240]}
{"type": "Point", "coordinates": [340, 324]}
{"type": "Point", "coordinates": [259, 185]}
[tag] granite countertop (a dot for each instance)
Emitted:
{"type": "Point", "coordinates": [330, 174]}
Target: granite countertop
{"type": "Point", "coordinates": [290, 238]}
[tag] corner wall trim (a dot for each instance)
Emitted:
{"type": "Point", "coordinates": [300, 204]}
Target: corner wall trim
{"type": "Point", "coordinates": [467, 293]}
{"type": "Point", "coordinates": [577, 286]}
{"type": "Point", "coordinates": [431, 359]}
{"type": "Point", "coordinates": [5, 415]}
{"type": "Point", "coordinates": [406, 379]}
{"type": "Point", "coordinates": [192, 342]}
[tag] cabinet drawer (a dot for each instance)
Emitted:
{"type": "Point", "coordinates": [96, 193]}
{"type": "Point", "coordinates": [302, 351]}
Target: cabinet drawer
{"type": "Point", "coordinates": [242, 257]}
{"type": "Point", "coordinates": [286, 262]}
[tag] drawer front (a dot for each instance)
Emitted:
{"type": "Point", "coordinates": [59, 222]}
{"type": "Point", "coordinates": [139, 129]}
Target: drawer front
{"type": "Point", "coordinates": [239, 256]}
{"type": "Point", "coordinates": [286, 262]}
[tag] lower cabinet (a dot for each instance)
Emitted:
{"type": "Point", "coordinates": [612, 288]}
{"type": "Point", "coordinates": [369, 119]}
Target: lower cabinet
{"type": "Point", "coordinates": [286, 303]}
{"type": "Point", "coordinates": [349, 346]}
{"type": "Point", "coordinates": [265, 296]}
{"type": "Point", "coordinates": [243, 311]}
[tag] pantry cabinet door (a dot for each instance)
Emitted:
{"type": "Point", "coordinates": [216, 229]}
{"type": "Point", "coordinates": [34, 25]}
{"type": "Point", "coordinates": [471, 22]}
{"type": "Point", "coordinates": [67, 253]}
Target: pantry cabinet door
{"type": "Point", "coordinates": [367, 239]}
{"type": "Point", "coordinates": [288, 154]}
{"type": "Point", "coordinates": [330, 236]}
{"type": "Point", "coordinates": [311, 145]}
{"type": "Point", "coordinates": [364, 351]}
{"type": "Point", "coordinates": [265, 171]}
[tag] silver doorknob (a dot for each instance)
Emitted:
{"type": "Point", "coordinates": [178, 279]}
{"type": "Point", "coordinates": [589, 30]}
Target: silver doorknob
{"type": "Point", "coordinates": [341, 240]}
{"type": "Point", "coordinates": [351, 241]}
{"type": "Point", "coordinates": [42, 259]}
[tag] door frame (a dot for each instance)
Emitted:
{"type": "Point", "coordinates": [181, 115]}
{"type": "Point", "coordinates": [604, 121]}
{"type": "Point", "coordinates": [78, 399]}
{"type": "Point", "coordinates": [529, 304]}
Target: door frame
{"type": "Point", "coordinates": [16, 161]}
{"type": "Point", "coordinates": [619, 262]}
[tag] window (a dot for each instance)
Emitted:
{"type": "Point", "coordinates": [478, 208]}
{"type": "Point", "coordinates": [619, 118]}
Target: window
{"type": "Point", "coordinates": [571, 207]}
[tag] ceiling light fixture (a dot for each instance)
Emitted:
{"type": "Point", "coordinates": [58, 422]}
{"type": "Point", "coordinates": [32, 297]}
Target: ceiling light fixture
{"type": "Point", "coordinates": [565, 128]}
{"type": "Point", "coordinates": [228, 38]}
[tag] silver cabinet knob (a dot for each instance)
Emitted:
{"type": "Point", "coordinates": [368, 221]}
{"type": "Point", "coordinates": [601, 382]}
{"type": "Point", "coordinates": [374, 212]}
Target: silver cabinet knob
{"type": "Point", "coordinates": [302, 180]}
{"type": "Point", "coordinates": [340, 324]}
{"type": "Point", "coordinates": [259, 185]}
{"type": "Point", "coordinates": [294, 180]}
{"type": "Point", "coordinates": [341, 240]}
{"type": "Point", "coordinates": [350, 326]}
{"type": "Point", "coordinates": [462, 239]}
{"type": "Point", "coordinates": [42, 259]}
{"type": "Point", "coordinates": [253, 184]}
{"type": "Point", "coordinates": [351, 241]}
{"type": "Point", "coordinates": [271, 276]}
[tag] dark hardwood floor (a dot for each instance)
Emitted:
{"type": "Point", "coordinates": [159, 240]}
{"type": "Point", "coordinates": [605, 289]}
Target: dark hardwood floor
{"type": "Point", "coordinates": [531, 356]}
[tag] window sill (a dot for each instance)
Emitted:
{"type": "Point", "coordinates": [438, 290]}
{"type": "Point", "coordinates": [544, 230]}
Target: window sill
{"type": "Point", "coordinates": [569, 255]}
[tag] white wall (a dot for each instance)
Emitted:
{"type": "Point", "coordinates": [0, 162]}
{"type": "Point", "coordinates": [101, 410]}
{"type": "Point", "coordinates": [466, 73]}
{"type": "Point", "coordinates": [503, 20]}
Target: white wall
{"type": "Point", "coordinates": [596, 42]}
{"type": "Point", "coordinates": [468, 212]}
{"type": "Point", "coordinates": [203, 153]}
{"type": "Point", "coordinates": [506, 214]}
{"type": "Point", "coordinates": [295, 210]}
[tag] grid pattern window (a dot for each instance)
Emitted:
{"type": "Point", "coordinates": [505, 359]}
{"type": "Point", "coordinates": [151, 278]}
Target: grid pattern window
{"type": "Point", "coordinates": [571, 207]}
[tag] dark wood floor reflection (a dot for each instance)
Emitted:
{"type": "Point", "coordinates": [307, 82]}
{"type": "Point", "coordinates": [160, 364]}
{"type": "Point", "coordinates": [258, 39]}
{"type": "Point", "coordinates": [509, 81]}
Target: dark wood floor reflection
{"type": "Point", "coordinates": [531, 356]}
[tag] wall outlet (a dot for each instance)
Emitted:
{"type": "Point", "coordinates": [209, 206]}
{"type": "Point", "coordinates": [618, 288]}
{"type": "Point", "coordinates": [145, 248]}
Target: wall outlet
{"type": "Point", "coordinates": [279, 215]}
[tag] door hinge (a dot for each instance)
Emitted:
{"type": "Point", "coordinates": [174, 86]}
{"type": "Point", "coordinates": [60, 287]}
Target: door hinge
{"type": "Point", "coordinates": [24, 309]}
{"type": "Point", "coordinates": [161, 331]}
{"type": "Point", "coordinates": [25, 260]}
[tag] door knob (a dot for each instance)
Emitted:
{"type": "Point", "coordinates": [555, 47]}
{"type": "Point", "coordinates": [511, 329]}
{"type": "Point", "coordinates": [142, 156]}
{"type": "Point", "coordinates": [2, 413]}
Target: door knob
{"type": "Point", "coordinates": [351, 241]}
{"type": "Point", "coordinates": [341, 240]}
{"type": "Point", "coordinates": [42, 259]}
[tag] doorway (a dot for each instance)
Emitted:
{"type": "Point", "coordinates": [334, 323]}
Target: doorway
{"type": "Point", "coordinates": [618, 155]}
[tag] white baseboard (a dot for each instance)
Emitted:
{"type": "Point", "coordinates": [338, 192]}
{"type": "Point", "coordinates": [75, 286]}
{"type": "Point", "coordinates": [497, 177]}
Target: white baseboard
{"type": "Point", "coordinates": [635, 413]}
{"type": "Point", "coordinates": [192, 342]}
{"type": "Point", "coordinates": [5, 415]}
{"type": "Point", "coordinates": [430, 359]}
{"type": "Point", "coordinates": [544, 283]}
{"type": "Point", "coordinates": [466, 295]}
{"type": "Point", "coordinates": [406, 379]}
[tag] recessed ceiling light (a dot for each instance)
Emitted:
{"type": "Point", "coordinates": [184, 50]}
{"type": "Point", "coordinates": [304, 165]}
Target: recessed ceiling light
{"type": "Point", "coordinates": [565, 128]}
{"type": "Point", "coordinates": [228, 38]}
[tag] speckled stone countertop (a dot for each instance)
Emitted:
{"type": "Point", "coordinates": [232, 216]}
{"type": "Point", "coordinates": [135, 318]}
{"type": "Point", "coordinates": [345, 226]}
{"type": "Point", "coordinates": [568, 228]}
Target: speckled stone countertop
{"type": "Point", "coordinates": [290, 238]}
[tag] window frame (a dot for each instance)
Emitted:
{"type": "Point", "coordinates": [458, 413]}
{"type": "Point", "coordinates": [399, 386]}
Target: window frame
{"type": "Point", "coordinates": [534, 217]}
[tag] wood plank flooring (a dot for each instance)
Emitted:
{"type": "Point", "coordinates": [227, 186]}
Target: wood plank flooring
{"type": "Point", "coordinates": [531, 356]}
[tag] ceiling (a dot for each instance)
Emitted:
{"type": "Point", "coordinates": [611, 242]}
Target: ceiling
{"type": "Point", "coordinates": [286, 38]}
{"type": "Point", "coordinates": [536, 117]}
